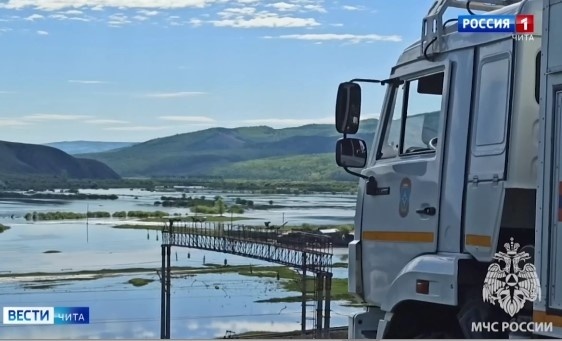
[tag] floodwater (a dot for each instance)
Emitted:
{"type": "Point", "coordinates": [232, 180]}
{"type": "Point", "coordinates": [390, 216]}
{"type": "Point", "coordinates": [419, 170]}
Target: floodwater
{"type": "Point", "coordinates": [203, 306]}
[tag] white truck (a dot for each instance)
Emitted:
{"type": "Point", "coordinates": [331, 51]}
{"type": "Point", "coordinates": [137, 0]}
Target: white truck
{"type": "Point", "coordinates": [458, 228]}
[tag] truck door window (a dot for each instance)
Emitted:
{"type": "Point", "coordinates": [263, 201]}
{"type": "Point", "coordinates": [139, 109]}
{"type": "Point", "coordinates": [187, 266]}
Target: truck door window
{"type": "Point", "coordinates": [415, 117]}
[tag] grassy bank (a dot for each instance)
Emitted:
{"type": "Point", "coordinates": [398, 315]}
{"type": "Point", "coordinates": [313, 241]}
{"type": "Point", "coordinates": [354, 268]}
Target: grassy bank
{"type": "Point", "coordinates": [287, 277]}
{"type": "Point", "coordinates": [43, 183]}
{"type": "Point", "coordinates": [210, 268]}
{"type": "Point", "coordinates": [144, 216]}
{"type": "Point", "coordinates": [292, 281]}
{"type": "Point", "coordinates": [139, 282]}
{"type": "Point", "coordinates": [217, 219]}
{"type": "Point", "coordinates": [3, 228]}
{"type": "Point", "coordinates": [40, 216]}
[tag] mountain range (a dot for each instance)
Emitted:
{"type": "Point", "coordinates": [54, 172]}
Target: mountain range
{"type": "Point", "coordinates": [30, 159]}
{"type": "Point", "coordinates": [83, 147]}
{"type": "Point", "coordinates": [305, 152]}
{"type": "Point", "coordinates": [261, 152]}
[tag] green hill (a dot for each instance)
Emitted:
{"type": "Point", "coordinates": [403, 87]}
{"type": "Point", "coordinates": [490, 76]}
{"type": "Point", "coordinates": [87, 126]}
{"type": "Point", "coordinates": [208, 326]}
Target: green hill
{"type": "Point", "coordinates": [29, 159]}
{"type": "Point", "coordinates": [312, 167]}
{"type": "Point", "coordinates": [213, 151]}
{"type": "Point", "coordinates": [303, 153]}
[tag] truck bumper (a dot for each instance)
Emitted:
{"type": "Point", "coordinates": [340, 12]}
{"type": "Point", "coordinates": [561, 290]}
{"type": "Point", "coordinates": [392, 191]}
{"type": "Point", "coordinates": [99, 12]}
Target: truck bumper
{"type": "Point", "coordinates": [366, 325]}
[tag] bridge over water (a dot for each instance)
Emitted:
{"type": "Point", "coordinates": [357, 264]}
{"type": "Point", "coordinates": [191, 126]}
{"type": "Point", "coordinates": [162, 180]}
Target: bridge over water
{"type": "Point", "coordinates": [306, 252]}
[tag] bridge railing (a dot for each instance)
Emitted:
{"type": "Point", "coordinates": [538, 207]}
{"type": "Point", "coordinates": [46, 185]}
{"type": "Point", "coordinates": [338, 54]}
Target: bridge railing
{"type": "Point", "coordinates": [245, 239]}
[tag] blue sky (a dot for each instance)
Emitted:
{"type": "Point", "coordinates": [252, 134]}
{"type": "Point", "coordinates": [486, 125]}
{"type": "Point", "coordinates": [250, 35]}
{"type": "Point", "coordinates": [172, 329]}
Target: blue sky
{"type": "Point", "coordinates": [133, 70]}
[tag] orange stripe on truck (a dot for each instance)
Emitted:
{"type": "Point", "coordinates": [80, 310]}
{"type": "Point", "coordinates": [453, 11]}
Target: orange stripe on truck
{"type": "Point", "coordinates": [543, 317]}
{"type": "Point", "coordinates": [399, 236]}
{"type": "Point", "coordinates": [478, 240]}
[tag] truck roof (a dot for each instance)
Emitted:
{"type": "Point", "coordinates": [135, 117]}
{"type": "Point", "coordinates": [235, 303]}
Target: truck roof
{"type": "Point", "coordinates": [453, 40]}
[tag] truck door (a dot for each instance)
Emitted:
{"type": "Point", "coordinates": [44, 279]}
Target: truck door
{"type": "Point", "coordinates": [400, 221]}
{"type": "Point", "coordinates": [548, 240]}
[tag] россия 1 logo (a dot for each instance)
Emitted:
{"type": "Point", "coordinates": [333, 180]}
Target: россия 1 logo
{"type": "Point", "coordinates": [45, 315]}
{"type": "Point", "coordinates": [515, 24]}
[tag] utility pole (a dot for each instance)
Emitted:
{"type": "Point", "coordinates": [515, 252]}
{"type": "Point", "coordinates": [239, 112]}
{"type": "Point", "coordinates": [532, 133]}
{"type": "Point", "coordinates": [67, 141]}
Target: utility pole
{"type": "Point", "coordinates": [87, 223]}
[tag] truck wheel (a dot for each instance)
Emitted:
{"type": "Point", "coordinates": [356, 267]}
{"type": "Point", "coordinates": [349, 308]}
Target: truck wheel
{"type": "Point", "coordinates": [476, 311]}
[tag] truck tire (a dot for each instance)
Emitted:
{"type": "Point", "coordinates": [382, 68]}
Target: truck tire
{"type": "Point", "coordinates": [475, 310]}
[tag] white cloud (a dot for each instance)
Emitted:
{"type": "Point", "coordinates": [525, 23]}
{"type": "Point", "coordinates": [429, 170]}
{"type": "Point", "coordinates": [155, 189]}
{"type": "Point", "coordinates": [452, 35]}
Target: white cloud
{"type": "Point", "coordinates": [297, 6]}
{"type": "Point", "coordinates": [74, 12]}
{"type": "Point", "coordinates": [86, 81]}
{"type": "Point", "coordinates": [58, 5]}
{"type": "Point", "coordinates": [34, 17]}
{"type": "Point", "coordinates": [195, 22]}
{"type": "Point", "coordinates": [106, 121]}
{"type": "Point", "coordinates": [58, 16]}
{"type": "Point", "coordinates": [284, 6]}
{"type": "Point", "coordinates": [354, 38]}
{"type": "Point", "coordinates": [147, 12]}
{"type": "Point", "coordinates": [11, 122]}
{"type": "Point", "coordinates": [42, 33]}
{"type": "Point", "coordinates": [315, 8]}
{"type": "Point", "coordinates": [178, 94]}
{"type": "Point", "coordinates": [136, 128]}
{"type": "Point", "coordinates": [353, 8]}
{"type": "Point", "coordinates": [237, 12]}
{"type": "Point", "coordinates": [118, 19]}
{"type": "Point", "coordinates": [79, 19]}
{"type": "Point", "coordinates": [55, 117]}
{"type": "Point", "coordinates": [140, 18]}
{"type": "Point", "coordinates": [188, 119]}
{"type": "Point", "coordinates": [192, 325]}
{"type": "Point", "coordinates": [269, 21]}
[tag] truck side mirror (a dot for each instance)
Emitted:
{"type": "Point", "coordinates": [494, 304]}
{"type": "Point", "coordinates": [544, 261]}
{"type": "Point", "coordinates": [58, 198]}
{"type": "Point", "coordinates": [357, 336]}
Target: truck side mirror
{"type": "Point", "coordinates": [351, 153]}
{"type": "Point", "coordinates": [348, 108]}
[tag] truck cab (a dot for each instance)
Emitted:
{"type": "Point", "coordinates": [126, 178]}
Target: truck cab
{"type": "Point", "coordinates": [449, 181]}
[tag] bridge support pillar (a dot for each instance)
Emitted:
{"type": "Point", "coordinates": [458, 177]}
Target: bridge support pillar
{"type": "Point", "coordinates": [165, 300]}
{"type": "Point", "coordinates": [304, 291]}
{"type": "Point", "coordinates": [320, 298]}
{"type": "Point", "coordinates": [327, 308]}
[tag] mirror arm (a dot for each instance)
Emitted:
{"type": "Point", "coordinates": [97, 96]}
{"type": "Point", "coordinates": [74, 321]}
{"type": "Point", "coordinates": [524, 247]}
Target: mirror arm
{"type": "Point", "coordinates": [383, 82]}
{"type": "Point", "coordinates": [357, 174]}
{"type": "Point", "coordinates": [363, 80]}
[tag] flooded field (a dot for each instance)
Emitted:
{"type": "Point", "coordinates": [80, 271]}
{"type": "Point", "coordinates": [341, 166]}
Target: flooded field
{"type": "Point", "coordinates": [203, 306]}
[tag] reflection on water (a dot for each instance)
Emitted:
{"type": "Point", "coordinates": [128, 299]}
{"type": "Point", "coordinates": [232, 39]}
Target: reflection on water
{"type": "Point", "coordinates": [119, 310]}
{"type": "Point", "coordinates": [204, 306]}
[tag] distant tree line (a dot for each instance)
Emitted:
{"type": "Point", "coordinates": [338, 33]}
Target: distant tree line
{"type": "Point", "coordinates": [44, 183]}
{"type": "Point", "coordinates": [74, 195]}
{"type": "Point", "coordinates": [38, 216]}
